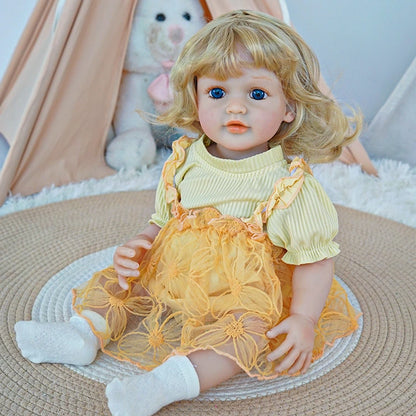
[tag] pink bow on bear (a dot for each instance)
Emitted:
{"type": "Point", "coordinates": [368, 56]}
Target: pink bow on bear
{"type": "Point", "coordinates": [160, 93]}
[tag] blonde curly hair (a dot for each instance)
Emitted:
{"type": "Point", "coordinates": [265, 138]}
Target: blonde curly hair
{"type": "Point", "coordinates": [320, 128]}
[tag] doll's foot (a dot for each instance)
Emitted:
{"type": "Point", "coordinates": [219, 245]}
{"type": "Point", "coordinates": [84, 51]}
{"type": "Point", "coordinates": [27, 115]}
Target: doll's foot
{"type": "Point", "coordinates": [145, 394]}
{"type": "Point", "coordinates": [70, 342]}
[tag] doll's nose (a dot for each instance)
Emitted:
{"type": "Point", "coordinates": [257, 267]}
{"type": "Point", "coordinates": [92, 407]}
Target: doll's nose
{"type": "Point", "coordinates": [235, 107]}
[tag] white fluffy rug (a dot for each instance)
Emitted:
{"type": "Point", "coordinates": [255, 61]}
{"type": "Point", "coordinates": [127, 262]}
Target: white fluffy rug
{"type": "Point", "coordinates": [391, 195]}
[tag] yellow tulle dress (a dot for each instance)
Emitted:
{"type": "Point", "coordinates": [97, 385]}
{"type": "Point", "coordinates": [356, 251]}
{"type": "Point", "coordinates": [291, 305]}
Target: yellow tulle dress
{"type": "Point", "coordinates": [210, 281]}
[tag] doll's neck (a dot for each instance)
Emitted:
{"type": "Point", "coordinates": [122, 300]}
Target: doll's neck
{"type": "Point", "coordinates": [222, 152]}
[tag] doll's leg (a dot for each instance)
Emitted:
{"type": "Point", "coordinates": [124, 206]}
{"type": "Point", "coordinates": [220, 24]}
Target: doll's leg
{"type": "Point", "coordinates": [71, 342]}
{"type": "Point", "coordinates": [176, 379]}
{"type": "Point", "coordinates": [212, 368]}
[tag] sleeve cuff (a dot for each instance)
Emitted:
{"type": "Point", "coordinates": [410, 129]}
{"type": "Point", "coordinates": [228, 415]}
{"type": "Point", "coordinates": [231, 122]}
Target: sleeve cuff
{"type": "Point", "coordinates": [157, 221]}
{"type": "Point", "coordinates": [312, 255]}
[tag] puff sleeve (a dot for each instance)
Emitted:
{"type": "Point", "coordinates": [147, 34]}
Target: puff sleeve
{"type": "Point", "coordinates": [307, 227]}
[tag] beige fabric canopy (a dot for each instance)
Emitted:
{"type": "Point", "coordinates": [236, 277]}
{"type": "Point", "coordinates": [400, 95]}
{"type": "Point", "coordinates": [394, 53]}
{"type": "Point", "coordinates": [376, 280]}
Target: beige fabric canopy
{"type": "Point", "coordinates": [59, 92]}
{"type": "Point", "coordinates": [58, 95]}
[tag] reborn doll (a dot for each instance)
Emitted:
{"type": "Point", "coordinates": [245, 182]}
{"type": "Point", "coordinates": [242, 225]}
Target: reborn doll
{"type": "Point", "coordinates": [235, 270]}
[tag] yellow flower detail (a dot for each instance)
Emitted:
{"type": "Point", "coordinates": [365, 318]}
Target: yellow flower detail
{"type": "Point", "coordinates": [234, 329]}
{"type": "Point", "coordinates": [116, 302]}
{"type": "Point", "coordinates": [244, 338]}
{"type": "Point", "coordinates": [180, 280]}
{"type": "Point", "coordinates": [154, 339]}
{"type": "Point", "coordinates": [247, 276]}
{"type": "Point", "coordinates": [104, 294]}
{"type": "Point", "coordinates": [172, 273]}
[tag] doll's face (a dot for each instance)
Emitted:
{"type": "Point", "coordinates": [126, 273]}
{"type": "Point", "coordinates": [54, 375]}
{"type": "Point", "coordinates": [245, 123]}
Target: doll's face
{"type": "Point", "coordinates": [240, 115]}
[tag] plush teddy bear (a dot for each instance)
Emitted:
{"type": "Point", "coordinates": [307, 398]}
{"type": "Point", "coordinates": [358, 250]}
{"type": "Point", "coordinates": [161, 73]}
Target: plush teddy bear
{"type": "Point", "coordinates": [159, 31]}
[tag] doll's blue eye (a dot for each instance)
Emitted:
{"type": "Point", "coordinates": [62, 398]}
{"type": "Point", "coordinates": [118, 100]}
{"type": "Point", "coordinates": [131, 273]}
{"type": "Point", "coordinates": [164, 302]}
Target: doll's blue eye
{"type": "Point", "coordinates": [258, 94]}
{"type": "Point", "coordinates": [216, 93]}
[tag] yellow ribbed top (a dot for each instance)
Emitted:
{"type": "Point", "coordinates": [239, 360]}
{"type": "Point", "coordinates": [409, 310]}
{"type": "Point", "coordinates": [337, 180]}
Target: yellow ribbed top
{"type": "Point", "coordinates": [236, 187]}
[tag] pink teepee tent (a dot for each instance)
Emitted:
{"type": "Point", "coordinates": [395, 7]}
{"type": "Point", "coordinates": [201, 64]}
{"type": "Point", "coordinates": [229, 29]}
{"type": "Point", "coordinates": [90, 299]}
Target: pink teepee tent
{"type": "Point", "coordinates": [58, 95]}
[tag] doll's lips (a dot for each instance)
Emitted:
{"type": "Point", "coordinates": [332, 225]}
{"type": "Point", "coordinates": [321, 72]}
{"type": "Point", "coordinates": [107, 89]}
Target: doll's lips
{"type": "Point", "coordinates": [236, 126]}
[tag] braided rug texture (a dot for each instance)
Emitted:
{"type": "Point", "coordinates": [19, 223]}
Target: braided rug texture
{"type": "Point", "coordinates": [377, 263]}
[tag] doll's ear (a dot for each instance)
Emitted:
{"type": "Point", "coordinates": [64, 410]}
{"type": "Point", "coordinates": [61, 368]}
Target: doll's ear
{"type": "Point", "coordinates": [290, 113]}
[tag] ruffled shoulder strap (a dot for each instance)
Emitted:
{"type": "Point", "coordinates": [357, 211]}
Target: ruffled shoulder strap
{"type": "Point", "coordinates": [284, 192]}
{"type": "Point", "coordinates": [171, 165]}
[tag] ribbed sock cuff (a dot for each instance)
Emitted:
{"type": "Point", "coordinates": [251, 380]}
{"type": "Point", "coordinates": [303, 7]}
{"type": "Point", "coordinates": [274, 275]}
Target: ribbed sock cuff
{"type": "Point", "coordinates": [189, 374]}
{"type": "Point", "coordinates": [180, 373]}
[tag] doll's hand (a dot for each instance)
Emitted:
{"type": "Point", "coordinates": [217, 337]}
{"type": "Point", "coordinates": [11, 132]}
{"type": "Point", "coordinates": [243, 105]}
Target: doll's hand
{"type": "Point", "coordinates": [298, 343]}
{"type": "Point", "coordinates": [127, 258]}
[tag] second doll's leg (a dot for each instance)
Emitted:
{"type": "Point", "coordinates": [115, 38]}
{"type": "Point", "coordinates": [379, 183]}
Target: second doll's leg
{"type": "Point", "coordinates": [178, 378]}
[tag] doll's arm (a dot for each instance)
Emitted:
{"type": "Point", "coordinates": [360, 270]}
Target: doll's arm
{"type": "Point", "coordinates": [128, 256]}
{"type": "Point", "coordinates": [310, 284]}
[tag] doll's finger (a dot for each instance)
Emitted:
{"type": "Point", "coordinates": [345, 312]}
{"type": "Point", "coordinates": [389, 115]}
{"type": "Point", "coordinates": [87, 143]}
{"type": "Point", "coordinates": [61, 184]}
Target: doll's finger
{"type": "Point", "coordinates": [140, 243]}
{"type": "Point", "coordinates": [123, 282]}
{"type": "Point", "coordinates": [307, 364]}
{"type": "Point", "coordinates": [126, 263]}
{"type": "Point", "coordinates": [121, 271]}
{"type": "Point", "coordinates": [298, 364]}
{"type": "Point", "coordinates": [288, 361]}
{"type": "Point", "coordinates": [283, 348]}
{"type": "Point", "coordinates": [282, 328]}
{"type": "Point", "coordinates": [125, 251]}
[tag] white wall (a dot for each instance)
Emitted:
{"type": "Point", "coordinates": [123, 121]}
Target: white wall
{"type": "Point", "coordinates": [13, 17]}
{"type": "Point", "coordinates": [364, 46]}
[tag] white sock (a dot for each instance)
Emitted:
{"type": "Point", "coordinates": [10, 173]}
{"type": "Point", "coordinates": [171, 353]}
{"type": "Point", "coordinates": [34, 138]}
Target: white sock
{"type": "Point", "coordinates": [70, 342]}
{"type": "Point", "coordinates": [144, 394]}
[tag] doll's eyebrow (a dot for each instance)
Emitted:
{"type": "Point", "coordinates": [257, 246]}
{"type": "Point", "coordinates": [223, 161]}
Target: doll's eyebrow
{"type": "Point", "coordinates": [266, 78]}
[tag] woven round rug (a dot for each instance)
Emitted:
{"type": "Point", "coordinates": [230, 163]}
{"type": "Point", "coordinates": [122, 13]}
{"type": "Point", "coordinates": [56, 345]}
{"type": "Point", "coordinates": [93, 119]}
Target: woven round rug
{"type": "Point", "coordinates": [372, 373]}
